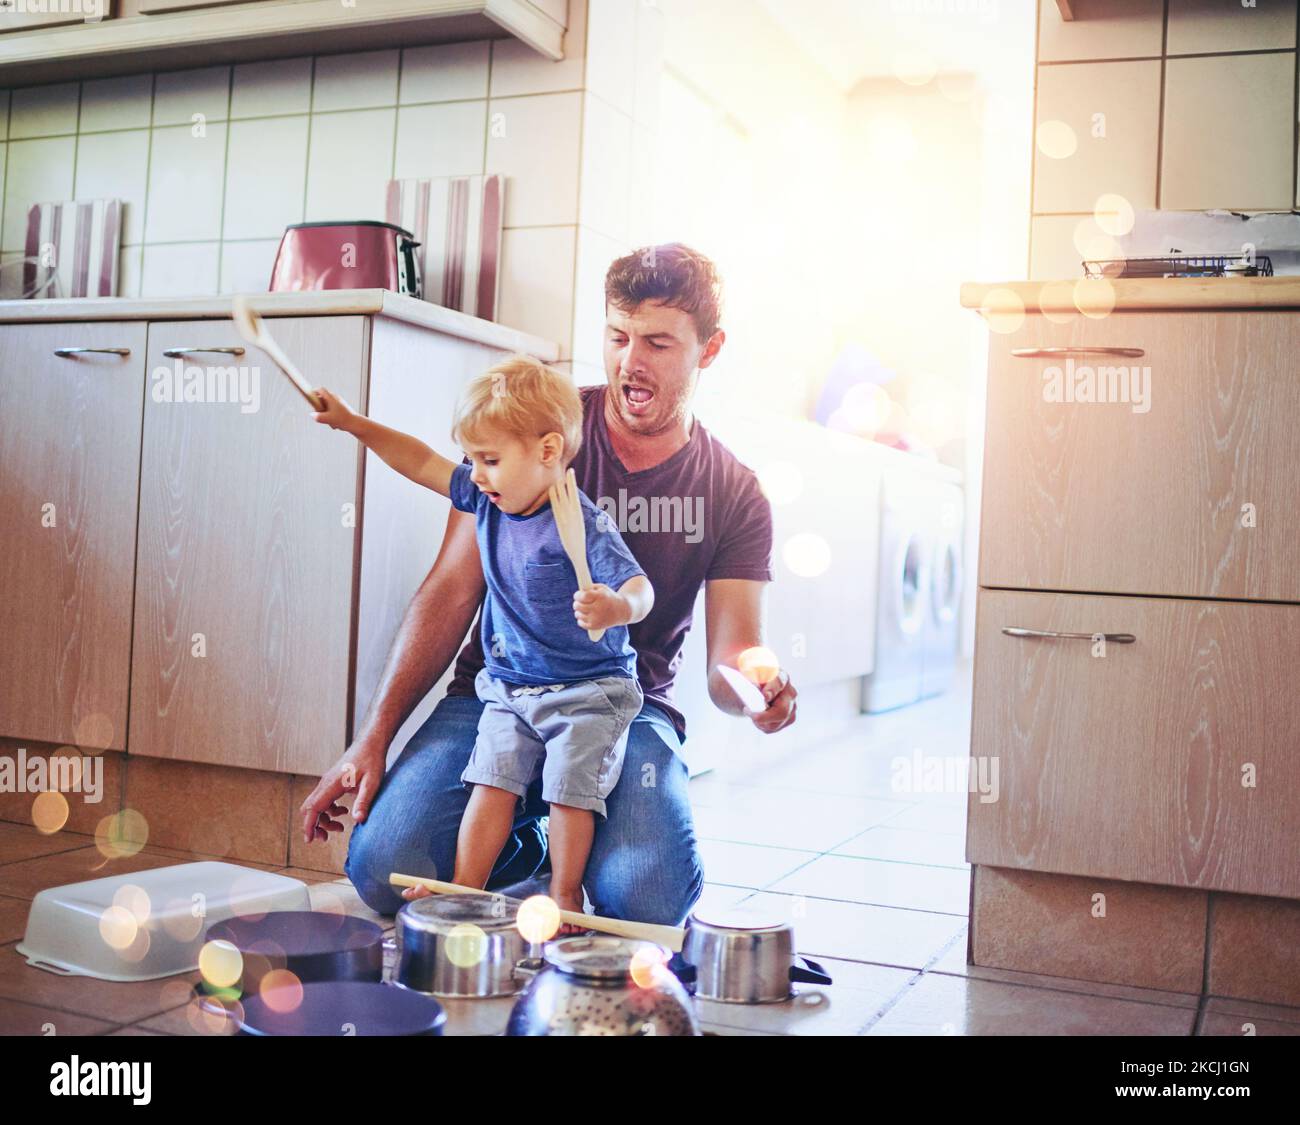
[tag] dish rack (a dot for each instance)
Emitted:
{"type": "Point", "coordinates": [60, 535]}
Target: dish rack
{"type": "Point", "coordinates": [1180, 265]}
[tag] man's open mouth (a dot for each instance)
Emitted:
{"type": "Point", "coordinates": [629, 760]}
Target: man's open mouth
{"type": "Point", "coordinates": [637, 398]}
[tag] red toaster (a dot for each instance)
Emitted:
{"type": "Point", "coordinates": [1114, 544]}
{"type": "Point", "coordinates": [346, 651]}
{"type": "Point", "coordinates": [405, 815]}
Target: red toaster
{"type": "Point", "coordinates": [362, 254]}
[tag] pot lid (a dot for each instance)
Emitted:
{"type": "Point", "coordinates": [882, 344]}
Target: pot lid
{"type": "Point", "coordinates": [441, 913]}
{"type": "Point", "coordinates": [604, 958]}
{"type": "Point", "coordinates": [748, 919]}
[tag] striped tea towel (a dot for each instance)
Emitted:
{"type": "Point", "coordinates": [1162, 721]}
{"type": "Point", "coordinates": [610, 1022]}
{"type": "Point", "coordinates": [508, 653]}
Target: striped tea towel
{"type": "Point", "coordinates": [80, 240]}
{"type": "Point", "coordinates": [457, 220]}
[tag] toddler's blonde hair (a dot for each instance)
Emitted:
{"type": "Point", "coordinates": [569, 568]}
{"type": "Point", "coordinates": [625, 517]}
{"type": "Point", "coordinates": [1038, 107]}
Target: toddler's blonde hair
{"type": "Point", "coordinates": [523, 398]}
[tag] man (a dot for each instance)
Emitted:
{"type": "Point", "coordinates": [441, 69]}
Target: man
{"type": "Point", "coordinates": [692, 515]}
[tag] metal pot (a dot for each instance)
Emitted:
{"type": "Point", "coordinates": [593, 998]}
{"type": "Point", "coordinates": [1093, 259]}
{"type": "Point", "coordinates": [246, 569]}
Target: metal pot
{"type": "Point", "coordinates": [314, 945]}
{"type": "Point", "coordinates": [603, 986]}
{"type": "Point", "coordinates": [740, 957]}
{"type": "Point", "coordinates": [461, 945]}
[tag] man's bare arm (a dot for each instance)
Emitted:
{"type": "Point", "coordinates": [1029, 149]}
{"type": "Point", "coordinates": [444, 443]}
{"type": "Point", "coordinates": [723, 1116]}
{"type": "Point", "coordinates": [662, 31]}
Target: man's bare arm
{"type": "Point", "coordinates": [733, 617]}
{"type": "Point", "coordinates": [430, 635]}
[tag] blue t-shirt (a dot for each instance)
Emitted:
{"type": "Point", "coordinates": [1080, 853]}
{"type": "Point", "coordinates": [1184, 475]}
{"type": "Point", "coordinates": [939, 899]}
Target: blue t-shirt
{"type": "Point", "coordinates": [529, 633]}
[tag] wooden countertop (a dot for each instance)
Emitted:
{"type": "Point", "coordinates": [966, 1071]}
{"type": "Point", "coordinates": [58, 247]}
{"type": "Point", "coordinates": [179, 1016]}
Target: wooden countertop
{"type": "Point", "coordinates": [1136, 293]}
{"type": "Point", "coordinates": [323, 302]}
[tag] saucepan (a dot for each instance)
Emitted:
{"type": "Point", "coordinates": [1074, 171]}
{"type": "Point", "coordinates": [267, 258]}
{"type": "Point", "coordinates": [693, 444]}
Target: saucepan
{"type": "Point", "coordinates": [461, 945]}
{"type": "Point", "coordinates": [739, 956]}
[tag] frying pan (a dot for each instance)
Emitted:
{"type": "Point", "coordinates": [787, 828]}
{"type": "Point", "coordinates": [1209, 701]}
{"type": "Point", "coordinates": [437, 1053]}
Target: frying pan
{"type": "Point", "coordinates": [342, 1007]}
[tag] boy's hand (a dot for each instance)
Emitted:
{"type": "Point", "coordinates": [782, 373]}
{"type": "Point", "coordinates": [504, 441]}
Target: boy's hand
{"type": "Point", "coordinates": [599, 607]}
{"type": "Point", "coordinates": [337, 414]}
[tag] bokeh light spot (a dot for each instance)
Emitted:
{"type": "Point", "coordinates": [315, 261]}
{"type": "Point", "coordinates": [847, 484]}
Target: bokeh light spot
{"type": "Point", "coordinates": [466, 945]}
{"type": "Point", "coordinates": [1114, 214]}
{"type": "Point", "coordinates": [281, 990]}
{"type": "Point", "coordinates": [1056, 139]}
{"type": "Point", "coordinates": [758, 664]}
{"type": "Point", "coordinates": [807, 554]}
{"type": "Point", "coordinates": [1094, 297]}
{"type": "Point", "coordinates": [1003, 309]}
{"type": "Point", "coordinates": [538, 918]}
{"type": "Point", "coordinates": [118, 927]}
{"type": "Point", "coordinates": [122, 834]}
{"type": "Point", "coordinates": [221, 964]}
{"type": "Point", "coordinates": [49, 812]}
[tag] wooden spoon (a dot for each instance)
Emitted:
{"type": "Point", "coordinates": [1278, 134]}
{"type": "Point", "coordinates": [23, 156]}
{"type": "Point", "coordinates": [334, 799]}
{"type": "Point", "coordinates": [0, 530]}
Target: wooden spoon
{"type": "Point", "coordinates": [253, 329]}
{"type": "Point", "coordinates": [567, 507]}
{"type": "Point", "coordinates": [671, 937]}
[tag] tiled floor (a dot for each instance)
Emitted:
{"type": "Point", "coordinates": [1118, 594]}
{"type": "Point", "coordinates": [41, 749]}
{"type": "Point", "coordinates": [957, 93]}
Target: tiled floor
{"type": "Point", "coordinates": [873, 879]}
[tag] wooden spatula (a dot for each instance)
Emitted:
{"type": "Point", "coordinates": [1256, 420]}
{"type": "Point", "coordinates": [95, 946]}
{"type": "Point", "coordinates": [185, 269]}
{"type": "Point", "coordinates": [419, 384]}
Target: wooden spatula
{"type": "Point", "coordinates": [573, 532]}
{"type": "Point", "coordinates": [253, 329]}
{"type": "Point", "coordinates": [669, 936]}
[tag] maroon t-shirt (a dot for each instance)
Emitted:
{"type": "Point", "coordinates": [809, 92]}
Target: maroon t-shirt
{"type": "Point", "coordinates": [697, 516]}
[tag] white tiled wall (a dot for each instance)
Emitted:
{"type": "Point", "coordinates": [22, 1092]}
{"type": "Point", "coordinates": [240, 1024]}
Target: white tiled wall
{"type": "Point", "coordinates": [213, 163]}
{"type": "Point", "coordinates": [1177, 104]}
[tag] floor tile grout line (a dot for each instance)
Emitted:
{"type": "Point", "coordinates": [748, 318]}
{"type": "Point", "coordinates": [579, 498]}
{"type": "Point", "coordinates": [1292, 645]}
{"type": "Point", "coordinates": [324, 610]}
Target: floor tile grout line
{"type": "Point", "coordinates": [878, 905]}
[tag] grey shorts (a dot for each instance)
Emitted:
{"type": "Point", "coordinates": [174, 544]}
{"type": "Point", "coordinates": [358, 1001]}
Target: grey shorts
{"type": "Point", "coordinates": [575, 737]}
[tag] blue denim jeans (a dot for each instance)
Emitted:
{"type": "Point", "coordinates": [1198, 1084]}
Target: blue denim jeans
{"type": "Point", "coordinates": [644, 864]}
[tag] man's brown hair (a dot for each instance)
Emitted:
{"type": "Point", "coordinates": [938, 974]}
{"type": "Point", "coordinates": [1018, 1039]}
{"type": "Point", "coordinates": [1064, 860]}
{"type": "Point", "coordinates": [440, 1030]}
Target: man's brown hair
{"type": "Point", "coordinates": [672, 274]}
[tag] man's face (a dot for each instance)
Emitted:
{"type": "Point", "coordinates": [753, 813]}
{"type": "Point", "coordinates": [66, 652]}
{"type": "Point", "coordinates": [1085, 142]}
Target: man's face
{"type": "Point", "coordinates": [652, 360]}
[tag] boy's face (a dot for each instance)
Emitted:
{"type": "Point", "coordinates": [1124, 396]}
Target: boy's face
{"type": "Point", "coordinates": [652, 360]}
{"type": "Point", "coordinates": [515, 473]}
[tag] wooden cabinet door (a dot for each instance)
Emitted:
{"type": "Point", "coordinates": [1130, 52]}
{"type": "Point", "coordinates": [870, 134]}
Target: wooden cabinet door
{"type": "Point", "coordinates": [70, 459]}
{"type": "Point", "coordinates": [244, 584]}
{"type": "Point", "coordinates": [1171, 760]}
{"type": "Point", "coordinates": [1194, 493]}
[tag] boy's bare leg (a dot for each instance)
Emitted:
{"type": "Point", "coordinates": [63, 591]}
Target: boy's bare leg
{"type": "Point", "coordinates": [488, 818]}
{"type": "Point", "coordinates": [570, 839]}
{"type": "Point", "coordinates": [483, 831]}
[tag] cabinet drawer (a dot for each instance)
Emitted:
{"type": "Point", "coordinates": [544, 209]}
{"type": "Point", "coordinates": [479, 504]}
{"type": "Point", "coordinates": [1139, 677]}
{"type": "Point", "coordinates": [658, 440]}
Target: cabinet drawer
{"type": "Point", "coordinates": [70, 451]}
{"type": "Point", "coordinates": [1129, 765]}
{"type": "Point", "coordinates": [1145, 497]}
{"type": "Point", "coordinates": [243, 539]}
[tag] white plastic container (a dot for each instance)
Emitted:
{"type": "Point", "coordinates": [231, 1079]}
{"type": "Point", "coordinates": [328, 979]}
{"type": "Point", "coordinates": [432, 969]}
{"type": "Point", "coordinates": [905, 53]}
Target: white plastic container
{"type": "Point", "coordinates": [147, 924]}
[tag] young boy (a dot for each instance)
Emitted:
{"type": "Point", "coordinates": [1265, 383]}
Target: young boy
{"type": "Point", "coordinates": [553, 698]}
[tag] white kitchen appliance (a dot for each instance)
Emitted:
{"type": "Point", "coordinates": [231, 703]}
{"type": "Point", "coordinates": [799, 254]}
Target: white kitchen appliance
{"type": "Point", "coordinates": [943, 542]}
{"type": "Point", "coordinates": [902, 594]}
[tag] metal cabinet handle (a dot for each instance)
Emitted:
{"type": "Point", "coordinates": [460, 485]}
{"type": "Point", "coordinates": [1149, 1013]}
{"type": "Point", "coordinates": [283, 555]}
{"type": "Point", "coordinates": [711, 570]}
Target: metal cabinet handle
{"type": "Point", "coordinates": [1042, 353]}
{"type": "Point", "coordinates": [65, 353]}
{"type": "Point", "coordinates": [1117, 638]}
{"type": "Point", "coordinates": [176, 353]}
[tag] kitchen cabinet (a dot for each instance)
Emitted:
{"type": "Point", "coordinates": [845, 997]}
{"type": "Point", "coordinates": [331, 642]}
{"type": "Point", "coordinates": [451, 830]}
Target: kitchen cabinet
{"type": "Point", "coordinates": [1170, 471]}
{"type": "Point", "coordinates": [253, 607]}
{"type": "Point", "coordinates": [1167, 760]}
{"type": "Point", "coordinates": [151, 34]}
{"type": "Point", "coordinates": [70, 398]}
{"type": "Point", "coordinates": [1138, 626]}
{"type": "Point", "coordinates": [248, 528]}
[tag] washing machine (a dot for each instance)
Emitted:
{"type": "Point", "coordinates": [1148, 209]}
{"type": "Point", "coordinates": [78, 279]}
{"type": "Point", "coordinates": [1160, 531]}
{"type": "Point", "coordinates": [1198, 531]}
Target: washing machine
{"type": "Point", "coordinates": [902, 593]}
{"type": "Point", "coordinates": [942, 536]}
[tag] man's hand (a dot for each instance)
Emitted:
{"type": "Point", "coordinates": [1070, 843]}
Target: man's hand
{"type": "Point", "coordinates": [780, 695]}
{"type": "Point", "coordinates": [359, 771]}
{"type": "Point", "coordinates": [599, 607]}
